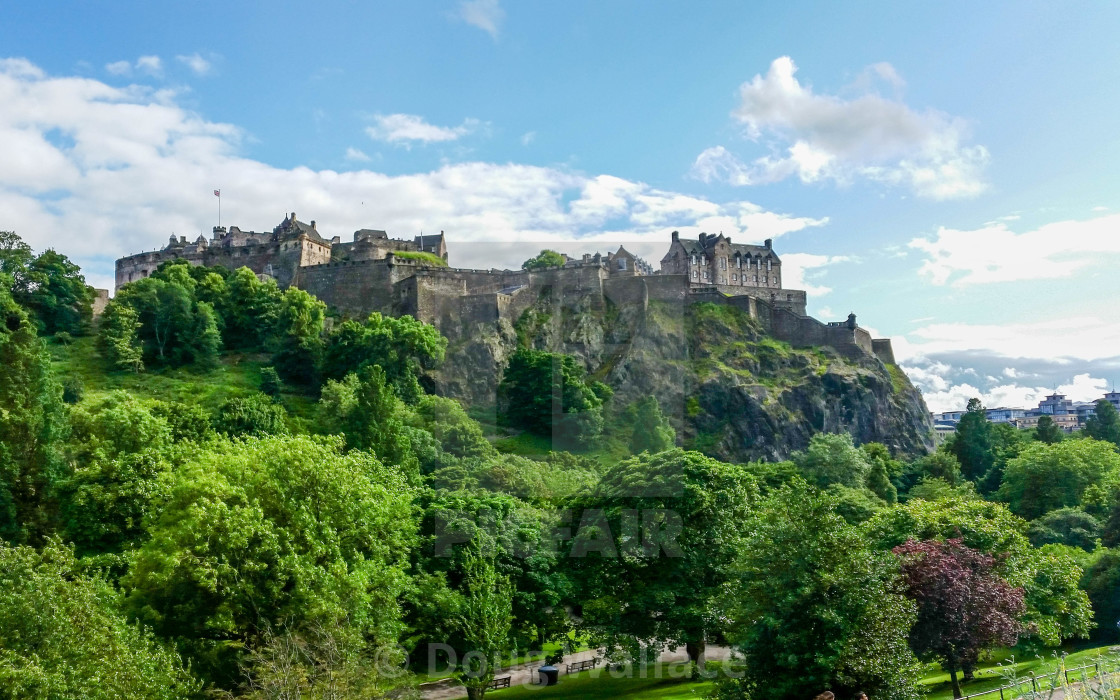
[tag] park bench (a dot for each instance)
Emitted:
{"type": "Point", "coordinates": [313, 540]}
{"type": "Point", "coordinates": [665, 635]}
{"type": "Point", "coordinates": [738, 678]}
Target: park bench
{"type": "Point", "coordinates": [582, 665]}
{"type": "Point", "coordinates": [502, 682]}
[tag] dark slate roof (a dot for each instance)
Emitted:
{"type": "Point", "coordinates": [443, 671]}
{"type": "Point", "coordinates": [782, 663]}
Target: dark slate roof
{"type": "Point", "coordinates": [294, 227]}
{"type": "Point", "coordinates": [694, 247]}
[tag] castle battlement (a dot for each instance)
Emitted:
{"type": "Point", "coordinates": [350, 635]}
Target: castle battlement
{"type": "Point", "coordinates": [368, 274]}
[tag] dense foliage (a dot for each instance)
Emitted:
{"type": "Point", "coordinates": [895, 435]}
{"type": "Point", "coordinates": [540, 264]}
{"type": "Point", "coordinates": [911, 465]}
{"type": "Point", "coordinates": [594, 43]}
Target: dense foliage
{"type": "Point", "coordinates": [231, 492]}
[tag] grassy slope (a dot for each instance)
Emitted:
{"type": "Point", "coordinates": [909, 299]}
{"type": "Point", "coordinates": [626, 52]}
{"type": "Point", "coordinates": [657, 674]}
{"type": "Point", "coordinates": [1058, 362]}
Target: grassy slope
{"type": "Point", "coordinates": [422, 257]}
{"type": "Point", "coordinates": [658, 686]}
{"type": "Point", "coordinates": [237, 374]}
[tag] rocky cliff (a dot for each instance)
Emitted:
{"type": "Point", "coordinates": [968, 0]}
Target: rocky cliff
{"type": "Point", "coordinates": [730, 390]}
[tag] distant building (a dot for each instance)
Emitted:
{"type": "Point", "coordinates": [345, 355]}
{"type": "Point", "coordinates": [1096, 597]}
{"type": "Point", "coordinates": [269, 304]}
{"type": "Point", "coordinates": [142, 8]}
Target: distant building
{"type": "Point", "coordinates": [1066, 421]}
{"type": "Point", "coordinates": [1004, 415]}
{"type": "Point", "coordinates": [1113, 397]}
{"type": "Point", "coordinates": [1055, 405]}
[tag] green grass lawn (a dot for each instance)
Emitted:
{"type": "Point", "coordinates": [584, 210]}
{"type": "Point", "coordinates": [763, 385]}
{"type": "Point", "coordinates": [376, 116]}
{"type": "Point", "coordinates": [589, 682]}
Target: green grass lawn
{"type": "Point", "coordinates": [991, 673]}
{"type": "Point", "coordinates": [602, 683]}
{"type": "Point", "coordinates": [237, 374]}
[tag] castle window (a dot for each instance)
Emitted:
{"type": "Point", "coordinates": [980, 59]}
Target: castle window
{"type": "Point", "coordinates": [695, 274]}
{"type": "Point", "coordinates": [734, 278]}
{"type": "Point", "coordinates": [768, 265]}
{"type": "Point", "coordinates": [723, 263]}
{"type": "Point", "coordinates": [622, 263]}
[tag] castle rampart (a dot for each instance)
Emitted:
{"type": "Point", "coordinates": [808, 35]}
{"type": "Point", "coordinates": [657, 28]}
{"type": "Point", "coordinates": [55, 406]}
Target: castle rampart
{"type": "Point", "coordinates": [372, 273]}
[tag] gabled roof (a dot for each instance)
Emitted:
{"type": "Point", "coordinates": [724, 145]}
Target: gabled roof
{"type": "Point", "coordinates": [693, 246]}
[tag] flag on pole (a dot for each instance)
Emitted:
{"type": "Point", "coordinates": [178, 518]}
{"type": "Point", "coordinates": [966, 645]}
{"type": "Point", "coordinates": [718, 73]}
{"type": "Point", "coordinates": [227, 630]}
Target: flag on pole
{"type": "Point", "coordinates": [217, 193]}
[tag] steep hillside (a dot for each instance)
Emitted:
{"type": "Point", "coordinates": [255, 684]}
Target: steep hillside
{"type": "Point", "coordinates": [731, 391]}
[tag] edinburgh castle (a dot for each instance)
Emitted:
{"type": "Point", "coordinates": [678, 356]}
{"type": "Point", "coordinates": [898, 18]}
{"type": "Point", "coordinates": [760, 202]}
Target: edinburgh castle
{"type": "Point", "coordinates": [376, 273]}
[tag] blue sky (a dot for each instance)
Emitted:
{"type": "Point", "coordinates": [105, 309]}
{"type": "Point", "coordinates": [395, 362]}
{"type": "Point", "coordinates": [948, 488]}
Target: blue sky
{"type": "Point", "coordinates": [947, 171]}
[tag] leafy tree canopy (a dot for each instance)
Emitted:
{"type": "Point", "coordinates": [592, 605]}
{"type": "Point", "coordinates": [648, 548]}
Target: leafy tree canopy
{"type": "Point", "coordinates": [62, 635]}
{"type": "Point", "coordinates": [963, 605]}
{"type": "Point", "coordinates": [1104, 424]}
{"type": "Point", "coordinates": [1045, 477]}
{"type": "Point", "coordinates": [814, 607]}
{"type": "Point", "coordinates": [262, 533]}
{"type": "Point", "coordinates": [655, 546]}
{"type": "Point", "coordinates": [402, 347]}
{"type": "Point", "coordinates": [546, 258]}
{"type": "Point", "coordinates": [548, 395]}
{"type": "Point", "coordinates": [32, 423]}
{"type": "Point", "coordinates": [652, 431]}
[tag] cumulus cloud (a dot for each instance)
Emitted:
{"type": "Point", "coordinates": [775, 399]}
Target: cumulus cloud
{"type": "Point", "coordinates": [356, 155]}
{"type": "Point", "coordinates": [829, 138]}
{"type": "Point", "coordinates": [995, 253]}
{"type": "Point", "coordinates": [119, 67]}
{"type": "Point", "coordinates": [800, 270]}
{"type": "Point", "coordinates": [152, 65]}
{"type": "Point", "coordinates": [1006, 365]}
{"type": "Point", "coordinates": [98, 172]}
{"type": "Point", "coordinates": [195, 61]}
{"type": "Point", "coordinates": [487, 15]}
{"type": "Point", "coordinates": [409, 128]}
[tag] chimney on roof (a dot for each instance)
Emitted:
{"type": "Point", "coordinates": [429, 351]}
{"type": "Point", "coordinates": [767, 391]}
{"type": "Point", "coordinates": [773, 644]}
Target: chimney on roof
{"type": "Point", "coordinates": [313, 224]}
{"type": "Point", "coordinates": [703, 236]}
{"type": "Point", "coordinates": [183, 240]}
{"type": "Point", "coordinates": [676, 235]}
{"type": "Point", "coordinates": [293, 216]}
{"type": "Point", "coordinates": [769, 243]}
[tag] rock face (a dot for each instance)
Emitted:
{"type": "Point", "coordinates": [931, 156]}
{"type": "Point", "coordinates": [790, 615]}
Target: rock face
{"type": "Point", "coordinates": [730, 390]}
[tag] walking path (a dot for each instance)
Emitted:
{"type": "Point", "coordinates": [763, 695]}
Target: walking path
{"type": "Point", "coordinates": [524, 674]}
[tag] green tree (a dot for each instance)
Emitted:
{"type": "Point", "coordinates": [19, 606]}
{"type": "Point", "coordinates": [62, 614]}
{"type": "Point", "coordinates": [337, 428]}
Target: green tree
{"type": "Point", "coordinates": [833, 459]}
{"type": "Point", "coordinates": [654, 550]}
{"type": "Point", "coordinates": [1102, 584]}
{"type": "Point", "coordinates": [546, 258]}
{"type": "Point", "coordinates": [32, 425]}
{"type": "Point", "coordinates": [1048, 431]}
{"type": "Point", "coordinates": [299, 337]}
{"type": "Point", "coordinates": [652, 431]}
{"type": "Point", "coordinates": [449, 424]}
{"type": "Point", "coordinates": [403, 347]}
{"type": "Point", "coordinates": [1046, 477]}
{"type": "Point", "coordinates": [264, 533]}
{"type": "Point", "coordinates": [116, 462]}
{"type": "Point", "coordinates": [251, 312]}
{"type": "Point", "coordinates": [813, 607]}
{"type": "Point", "coordinates": [883, 469]}
{"type": "Point", "coordinates": [1104, 424]}
{"type": "Point", "coordinates": [547, 394]}
{"type": "Point", "coordinates": [255, 414]}
{"type": "Point", "coordinates": [119, 338]}
{"type": "Point", "coordinates": [57, 294]}
{"type": "Point", "coordinates": [484, 620]}
{"type": "Point", "coordinates": [175, 328]}
{"type": "Point", "coordinates": [972, 444]}
{"type": "Point", "coordinates": [1056, 608]}
{"type": "Point", "coordinates": [15, 258]}
{"type": "Point", "coordinates": [270, 382]}
{"type": "Point", "coordinates": [457, 525]}
{"type": "Point", "coordinates": [1068, 526]}
{"type": "Point", "coordinates": [62, 635]}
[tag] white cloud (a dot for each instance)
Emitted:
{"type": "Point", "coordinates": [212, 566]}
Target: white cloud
{"type": "Point", "coordinates": [830, 138]}
{"type": "Point", "coordinates": [195, 61]}
{"type": "Point", "coordinates": [799, 269]}
{"type": "Point", "coordinates": [1082, 387]}
{"type": "Point", "coordinates": [356, 155]}
{"type": "Point", "coordinates": [152, 65]}
{"type": "Point", "coordinates": [119, 67]}
{"type": "Point", "coordinates": [407, 128]}
{"type": "Point", "coordinates": [487, 15]}
{"type": "Point", "coordinates": [528, 137]}
{"type": "Point", "coordinates": [995, 253]}
{"type": "Point", "coordinates": [98, 172]}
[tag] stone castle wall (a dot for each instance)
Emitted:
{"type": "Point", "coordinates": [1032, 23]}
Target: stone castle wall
{"type": "Point", "coordinates": [455, 300]}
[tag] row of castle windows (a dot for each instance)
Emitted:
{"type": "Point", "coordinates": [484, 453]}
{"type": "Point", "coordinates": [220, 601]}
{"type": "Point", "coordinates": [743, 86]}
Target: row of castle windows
{"type": "Point", "coordinates": [734, 278]}
{"type": "Point", "coordinates": [697, 260]}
